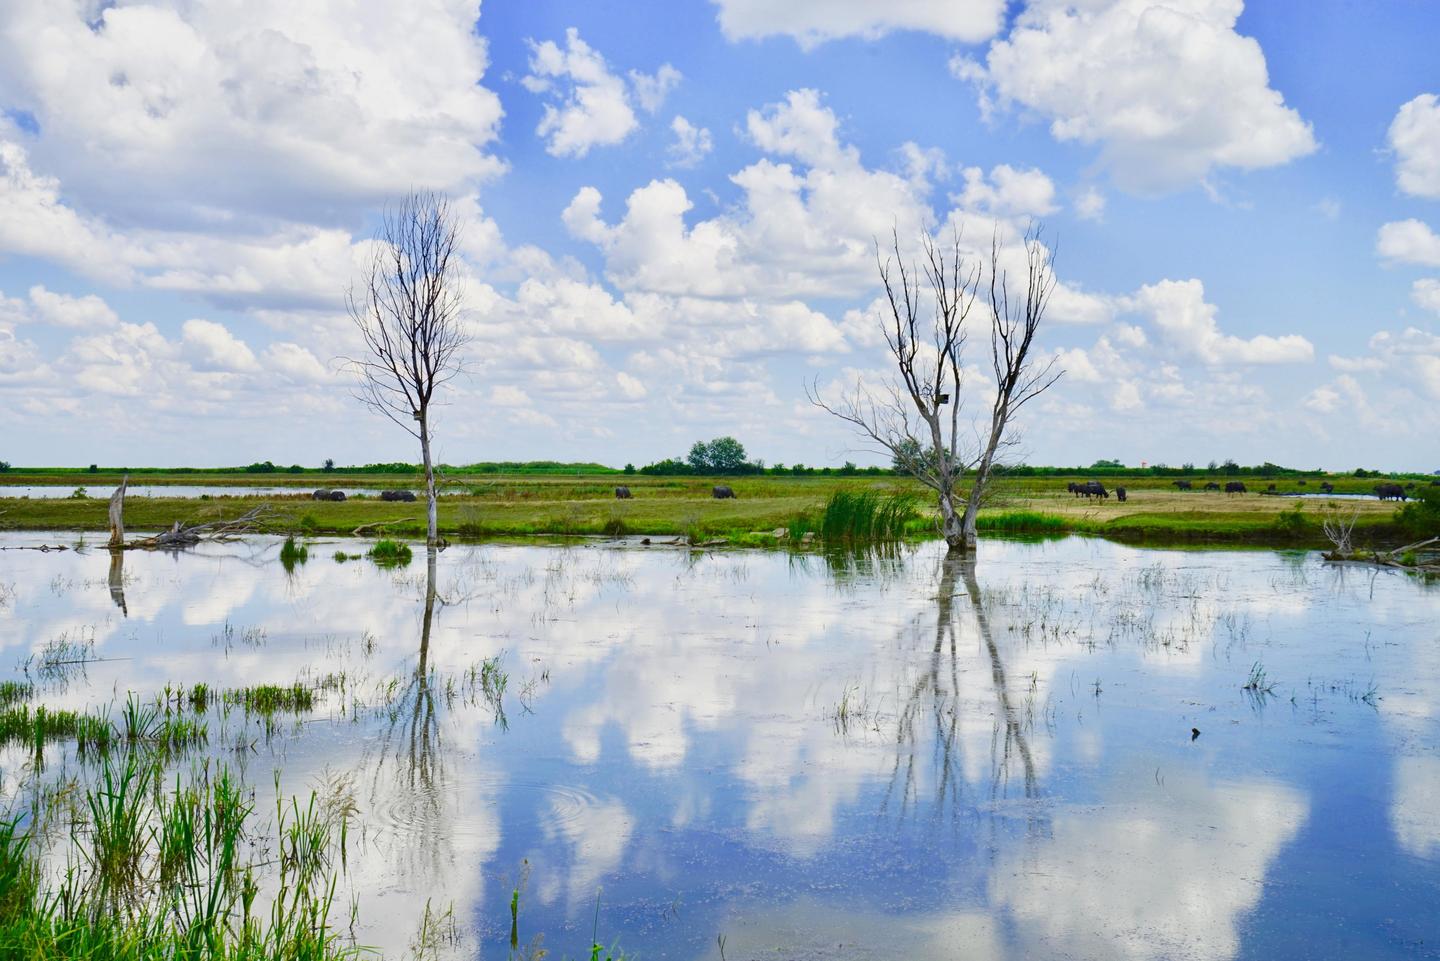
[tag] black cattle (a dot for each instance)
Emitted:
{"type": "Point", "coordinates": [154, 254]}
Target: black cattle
{"type": "Point", "coordinates": [722, 492]}
{"type": "Point", "coordinates": [1120, 494]}
{"type": "Point", "coordinates": [1302, 483]}
{"type": "Point", "coordinates": [622, 493]}
{"type": "Point", "coordinates": [1234, 487]}
{"type": "Point", "coordinates": [1212, 486]}
{"type": "Point", "coordinates": [1183, 485]}
{"type": "Point", "coordinates": [1390, 492]}
{"type": "Point", "coordinates": [1091, 489]}
{"type": "Point", "coordinates": [1270, 489]}
{"type": "Point", "coordinates": [324, 495]}
{"type": "Point", "coordinates": [404, 496]}
{"type": "Point", "coordinates": [1327, 487]}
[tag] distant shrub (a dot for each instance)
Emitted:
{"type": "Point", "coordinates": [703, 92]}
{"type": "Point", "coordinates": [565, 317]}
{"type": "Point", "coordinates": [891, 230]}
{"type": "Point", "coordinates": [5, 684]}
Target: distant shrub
{"type": "Point", "coordinates": [1293, 522]}
{"type": "Point", "coordinates": [79, 494]}
{"type": "Point", "coordinates": [94, 468]}
{"type": "Point", "coordinates": [1421, 516]}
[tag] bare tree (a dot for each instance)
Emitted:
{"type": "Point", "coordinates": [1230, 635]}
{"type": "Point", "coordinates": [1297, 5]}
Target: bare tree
{"type": "Point", "coordinates": [918, 419]}
{"type": "Point", "coordinates": [408, 313]}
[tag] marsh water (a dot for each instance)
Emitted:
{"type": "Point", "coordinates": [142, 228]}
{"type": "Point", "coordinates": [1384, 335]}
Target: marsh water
{"type": "Point", "coordinates": [872, 755]}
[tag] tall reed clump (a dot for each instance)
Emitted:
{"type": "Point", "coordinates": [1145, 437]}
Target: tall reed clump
{"type": "Point", "coordinates": [164, 875]}
{"type": "Point", "coordinates": [866, 516]}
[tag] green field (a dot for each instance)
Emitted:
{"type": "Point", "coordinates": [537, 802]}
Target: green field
{"type": "Point", "coordinates": [507, 505]}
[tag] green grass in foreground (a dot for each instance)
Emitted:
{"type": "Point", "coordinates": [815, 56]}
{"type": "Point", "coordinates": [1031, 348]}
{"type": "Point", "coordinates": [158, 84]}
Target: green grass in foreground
{"type": "Point", "coordinates": [169, 875]}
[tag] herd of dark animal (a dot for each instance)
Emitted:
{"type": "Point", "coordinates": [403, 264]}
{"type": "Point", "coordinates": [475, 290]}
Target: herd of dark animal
{"type": "Point", "coordinates": [407, 497]}
{"type": "Point", "coordinates": [1387, 491]}
{"type": "Point", "coordinates": [720, 492]}
{"type": "Point", "coordinates": [1092, 488]}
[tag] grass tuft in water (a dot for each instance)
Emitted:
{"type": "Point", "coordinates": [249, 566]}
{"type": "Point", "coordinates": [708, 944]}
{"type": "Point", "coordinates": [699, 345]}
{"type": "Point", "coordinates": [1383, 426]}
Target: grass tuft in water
{"type": "Point", "coordinates": [272, 698]}
{"type": "Point", "coordinates": [292, 553]}
{"type": "Point", "coordinates": [13, 692]}
{"type": "Point", "coordinates": [388, 553]}
{"type": "Point", "coordinates": [21, 725]}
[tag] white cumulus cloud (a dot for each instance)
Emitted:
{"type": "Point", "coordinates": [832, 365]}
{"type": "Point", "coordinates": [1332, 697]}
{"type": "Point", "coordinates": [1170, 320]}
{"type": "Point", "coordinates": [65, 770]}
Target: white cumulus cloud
{"type": "Point", "coordinates": [812, 22]}
{"type": "Point", "coordinates": [1169, 90]}
{"type": "Point", "coordinates": [589, 105]}
{"type": "Point", "coordinates": [1415, 140]}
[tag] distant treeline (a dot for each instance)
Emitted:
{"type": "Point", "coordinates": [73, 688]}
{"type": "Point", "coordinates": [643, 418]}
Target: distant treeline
{"type": "Point", "coordinates": [722, 456]}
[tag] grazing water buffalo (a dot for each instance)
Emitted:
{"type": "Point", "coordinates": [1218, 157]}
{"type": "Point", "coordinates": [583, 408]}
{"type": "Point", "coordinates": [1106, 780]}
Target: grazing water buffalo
{"type": "Point", "coordinates": [1212, 486]}
{"type": "Point", "coordinates": [1302, 483]}
{"type": "Point", "coordinates": [405, 496]}
{"type": "Point", "coordinates": [324, 495]}
{"type": "Point", "coordinates": [1270, 489]}
{"type": "Point", "coordinates": [1390, 491]}
{"type": "Point", "coordinates": [1183, 485]}
{"type": "Point", "coordinates": [722, 492]}
{"type": "Point", "coordinates": [1327, 487]}
{"type": "Point", "coordinates": [1089, 489]}
{"type": "Point", "coordinates": [1120, 494]}
{"type": "Point", "coordinates": [1234, 487]}
{"type": "Point", "coordinates": [622, 493]}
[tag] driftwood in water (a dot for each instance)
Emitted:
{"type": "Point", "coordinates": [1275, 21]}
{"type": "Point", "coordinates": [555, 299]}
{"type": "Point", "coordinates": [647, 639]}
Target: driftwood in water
{"type": "Point", "coordinates": [117, 514]}
{"type": "Point", "coordinates": [1388, 558]}
{"type": "Point", "coordinates": [188, 535]}
{"type": "Point", "coordinates": [179, 535]}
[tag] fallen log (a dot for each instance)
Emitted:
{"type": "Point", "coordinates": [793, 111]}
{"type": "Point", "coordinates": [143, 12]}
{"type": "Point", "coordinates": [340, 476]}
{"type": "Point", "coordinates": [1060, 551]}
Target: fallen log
{"type": "Point", "coordinates": [188, 535]}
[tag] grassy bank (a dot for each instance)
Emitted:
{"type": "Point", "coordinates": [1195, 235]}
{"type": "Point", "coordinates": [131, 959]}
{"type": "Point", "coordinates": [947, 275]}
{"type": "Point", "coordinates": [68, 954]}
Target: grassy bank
{"type": "Point", "coordinates": [524, 505]}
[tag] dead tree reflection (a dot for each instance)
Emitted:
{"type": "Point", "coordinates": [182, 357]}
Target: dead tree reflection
{"type": "Point", "coordinates": [409, 782]}
{"type": "Point", "coordinates": [933, 700]}
{"type": "Point", "coordinates": [117, 581]}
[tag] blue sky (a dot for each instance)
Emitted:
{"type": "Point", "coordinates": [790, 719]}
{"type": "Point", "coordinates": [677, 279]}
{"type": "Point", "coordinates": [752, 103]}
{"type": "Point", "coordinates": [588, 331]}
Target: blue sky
{"type": "Point", "coordinates": [669, 207]}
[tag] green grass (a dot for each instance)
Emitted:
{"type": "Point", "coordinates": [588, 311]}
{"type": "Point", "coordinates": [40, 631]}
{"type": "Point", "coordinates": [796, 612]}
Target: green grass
{"type": "Point", "coordinates": [21, 725]}
{"type": "Point", "coordinates": [171, 875]}
{"type": "Point", "coordinates": [292, 553]}
{"type": "Point", "coordinates": [503, 505]}
{"type": "Point", "coordinates": [867, 515]}
{"type": "Point", "coordinates": [13, 692]}
{"type": "Point", "coordinates": [271, 698]}
{"type": "Point", "coordinates": [388, 553]}
{"type": "Point", "coordinates": [1020, 522]}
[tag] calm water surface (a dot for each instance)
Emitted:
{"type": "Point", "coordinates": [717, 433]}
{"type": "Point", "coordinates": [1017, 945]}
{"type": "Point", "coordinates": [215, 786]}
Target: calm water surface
{"type": "Point", "coordinates": [860, 757]}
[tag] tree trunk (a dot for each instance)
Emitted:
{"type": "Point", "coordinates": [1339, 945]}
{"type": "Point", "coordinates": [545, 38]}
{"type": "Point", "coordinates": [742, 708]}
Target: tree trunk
{"type": "Point", "coordinates": [117, 515]}
{"type": "Point", "coordinates": [969, 533]}
{"type": "Point", "coordinates": [951, 525]}
{"type": "Point", "coordinates": [432, 518]}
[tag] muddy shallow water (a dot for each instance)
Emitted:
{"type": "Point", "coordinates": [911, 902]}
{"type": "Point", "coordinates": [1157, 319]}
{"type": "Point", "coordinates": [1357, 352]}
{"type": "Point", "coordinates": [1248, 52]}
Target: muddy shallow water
{"type": "Point", "coordinates": [862, 757]}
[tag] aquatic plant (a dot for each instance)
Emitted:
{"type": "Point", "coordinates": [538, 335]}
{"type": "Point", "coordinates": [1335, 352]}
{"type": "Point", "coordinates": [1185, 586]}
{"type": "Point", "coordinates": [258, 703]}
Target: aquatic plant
{"type": "Point", "coordinates": [867, 515]}
{"type": "Point", "coordinates": [292, 553]}
{"type": "Point", "coordinates": [13, 692]}
{"type": "Point", "coordinates": [163, 875]}
{"type": "Point", "coordinates": [1258, 681]}
{"type": "Point", "coordinates": [21, 725]}
{"type": "Point", "coordinates": [271, 698]}
{"type": "Point", "coordinates": [388, 553]}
